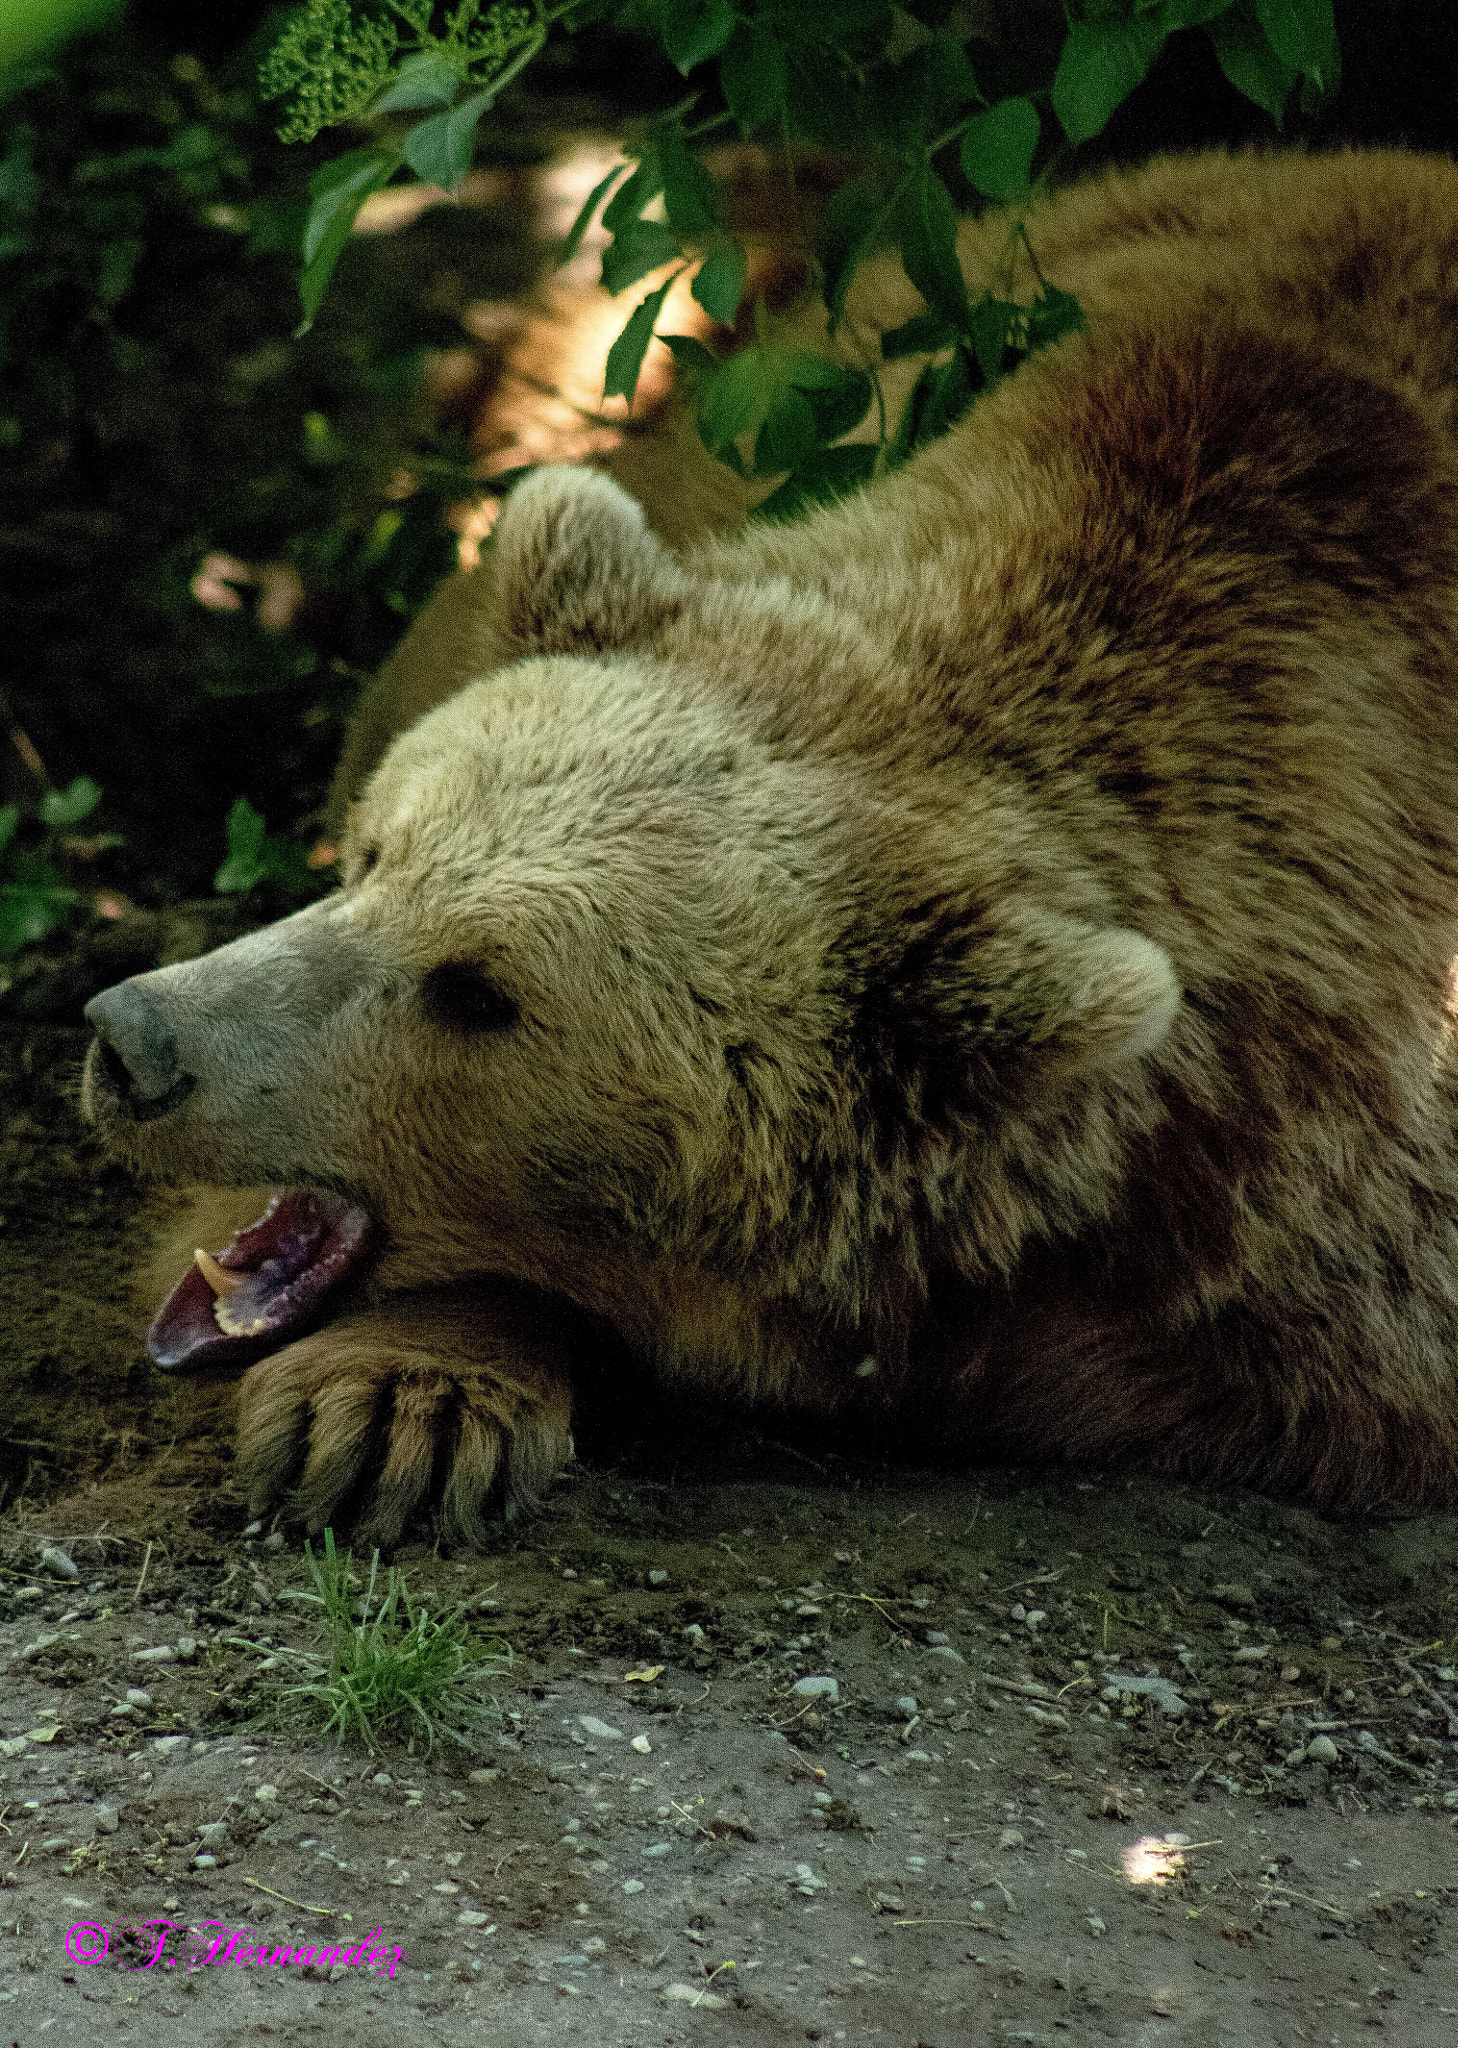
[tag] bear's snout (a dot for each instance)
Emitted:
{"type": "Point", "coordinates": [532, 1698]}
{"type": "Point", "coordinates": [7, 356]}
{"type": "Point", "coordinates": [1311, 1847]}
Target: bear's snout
{"type": "Point", "coordinates": [135, 1060]}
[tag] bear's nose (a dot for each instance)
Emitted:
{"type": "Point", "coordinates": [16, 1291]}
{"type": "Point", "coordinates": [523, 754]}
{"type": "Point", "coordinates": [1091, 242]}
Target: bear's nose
{"type": "Point", "coordinates": [138, 1051]}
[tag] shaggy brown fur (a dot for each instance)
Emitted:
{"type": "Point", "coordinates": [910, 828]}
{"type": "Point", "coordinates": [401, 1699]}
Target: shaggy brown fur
{"type": "Point", "coordinates": [978, 956]}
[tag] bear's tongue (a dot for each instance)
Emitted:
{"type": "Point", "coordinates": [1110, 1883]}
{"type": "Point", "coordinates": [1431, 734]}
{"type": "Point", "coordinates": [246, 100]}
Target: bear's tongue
{"type": "Point", "coordinates": [265, 1287]}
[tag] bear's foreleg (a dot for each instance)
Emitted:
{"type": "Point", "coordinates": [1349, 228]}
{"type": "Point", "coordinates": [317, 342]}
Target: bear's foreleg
{"type": "Point", "coordinates": [456, 1405]}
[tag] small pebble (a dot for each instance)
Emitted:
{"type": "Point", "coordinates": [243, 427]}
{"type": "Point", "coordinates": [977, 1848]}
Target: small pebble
{"type": "Point", "coordinates": [274, 1541]}
{"type": "Point", "coordinates": [34, 1649]}
{"type": "Point", "coordinates": [600, 1730]}
{"type": "Point", "coordinates": [266, 1795]}
{"type": "Point", "coordinates": [161, 1653]}
{"type": "Point", "coordinates": [213, 1831]}
{"type": "Point", "coordinates": [484, 1777]}
{"type": "Point", "coordinates": [633, 1884]}
{"type": "Point", "coordinates": [906, 1704]}
{"type": "Point", "coordinates": [643, 1746]}
{"type": "Point", "coordinates": [108, 1820]}
{"type": "Point", "coordinates": [204, 1862]}
{"type": "Point", "coordinates": [137, 1698]}
{"type": "Point", "coordinates": [57, 1563]}
{"type": "Point", "coordinates": [471, 1919]}
{"type": "Point", "coordinates": [1010, 1838]}
{"type": "Point", "coordinates": [384, 1778]}
{"type": "Point", "coordinates": [818, 1688]}
{"type": "Point", "coordinates": [186, 1647]}
{"type": "Point", "coordinates": [1034, 1616]}
{"type": "Point", "coordinates": [1322, 1750]}
{"type": "Point", "coordinates": [168, 1745]}
{"type": "Point", "coordinates": [1018, 1612]}
{"type": "Point", "coordinates": [254, 1529]}
{"type": "Point", "coordinates": [56, 1845]}
{"type": "Point", "coordinates": [658, 1578]}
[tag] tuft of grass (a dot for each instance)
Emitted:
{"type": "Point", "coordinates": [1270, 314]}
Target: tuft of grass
{"type": "Point", "coordinates": [390, 1667]}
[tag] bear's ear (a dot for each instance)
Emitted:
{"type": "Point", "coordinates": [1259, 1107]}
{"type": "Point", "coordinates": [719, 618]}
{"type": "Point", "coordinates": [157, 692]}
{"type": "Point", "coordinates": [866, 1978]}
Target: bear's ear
{"type": "Point", "coordinates": [577, 571]}
{"type": "Point", "coordinates": [1070, 995]}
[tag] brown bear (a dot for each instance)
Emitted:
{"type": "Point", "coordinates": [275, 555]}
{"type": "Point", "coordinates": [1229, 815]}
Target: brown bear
{"type": "Point", "coordinates": [975, 958]}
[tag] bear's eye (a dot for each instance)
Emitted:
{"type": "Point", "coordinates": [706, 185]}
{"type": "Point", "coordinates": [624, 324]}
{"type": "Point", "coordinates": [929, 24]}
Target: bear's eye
{"type": "Point", "coordinates": [459, 997]}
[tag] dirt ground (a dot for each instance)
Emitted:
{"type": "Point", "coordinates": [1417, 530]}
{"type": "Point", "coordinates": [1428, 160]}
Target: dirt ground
{"type": "Point", "coordinates": [1090, 1760]}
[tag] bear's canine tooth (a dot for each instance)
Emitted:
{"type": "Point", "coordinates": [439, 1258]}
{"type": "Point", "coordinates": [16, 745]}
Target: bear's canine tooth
{"type": "Point", "coordinates": [221, 1281]}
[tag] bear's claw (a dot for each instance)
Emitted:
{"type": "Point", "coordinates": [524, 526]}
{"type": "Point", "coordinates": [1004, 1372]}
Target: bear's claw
{"type": "Point", "coordinates": [367, 1425]}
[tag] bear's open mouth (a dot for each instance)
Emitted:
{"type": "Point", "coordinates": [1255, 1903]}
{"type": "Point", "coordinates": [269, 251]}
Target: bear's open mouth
{"type": "Point", "coordinates": [264, 1288]}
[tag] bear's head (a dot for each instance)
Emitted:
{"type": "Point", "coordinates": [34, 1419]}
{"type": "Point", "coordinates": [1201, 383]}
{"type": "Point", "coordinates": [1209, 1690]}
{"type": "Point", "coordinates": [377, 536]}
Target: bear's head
{"type": "Point", "coordinates": [621, 982]}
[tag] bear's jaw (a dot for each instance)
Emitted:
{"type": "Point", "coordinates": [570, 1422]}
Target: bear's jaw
{"type": "Point", "coordinates": [265, 1288]}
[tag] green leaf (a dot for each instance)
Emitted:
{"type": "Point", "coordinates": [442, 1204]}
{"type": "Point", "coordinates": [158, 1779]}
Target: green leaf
{"type": "Point", "coordinates": [625, 357]}
{"type": "Point", "coordinates": [735, 402]}
{"type": "Point", "coordinates": [840, 405]}
{"type": "Point", "coordinates": [695, 29]}
{"type": "Point", "coordinates": [694, 363]}
{"type": "Point", "coordinates": [719, 283]}
{"type": "Point", "coordinates": [789, 435]}
{"type": "Point", "coordinates": [1301, 32]}
{"type": "Point", "coordinates": [441, 149]}
{"type": "Point", "coordinates": [1101, 64]}
{"type": "Point", "coordinates": [953, 389]}
{"type": "Point", "coordinates": [29, 915]}
{"type": "Point", "coordinates": [9, 819]}
{"type": "Point", "coordinates": [1177, 14]}
{"type": "Point", "coordinates": [426, 80]}
{"type": "Point", "coordinates": [926, 223]}
{"type": "Point", "coordinates": [830, 474]}
{"type": "Point", "coordinates": [998, 146]}
{"type": "Point", "coordinates": [848, 232]}
{"type": "Point", "coordinates": [588, 208]}
{"type": "Point", "coordinates": [1249, 62]}
{"type": "Point", "coordinates": [644, 186]}
{"type": "Point", "coordinates": [923, 334]}
{"type": "Point", "coordinates": [690, 196]}
{"type": "Point", "coordinates": [989, 330]}
{"type": "Point", "coordinates": [245, 866]}
{"type": "Point", "coordinates": [1052, 315]}
{"type": "Point", "coordinates": [753, 76]}
{"type": "Point", "coordinates": [338, 190]}
{"type": "Point", "coordinates": [61, 807]}
{"type": "Point", "coordinates": [637, 248]}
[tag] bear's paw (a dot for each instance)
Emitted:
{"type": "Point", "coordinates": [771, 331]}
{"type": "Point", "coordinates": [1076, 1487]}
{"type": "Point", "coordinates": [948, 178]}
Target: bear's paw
{"type": "Point", "coordinates": [370, 1425]}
